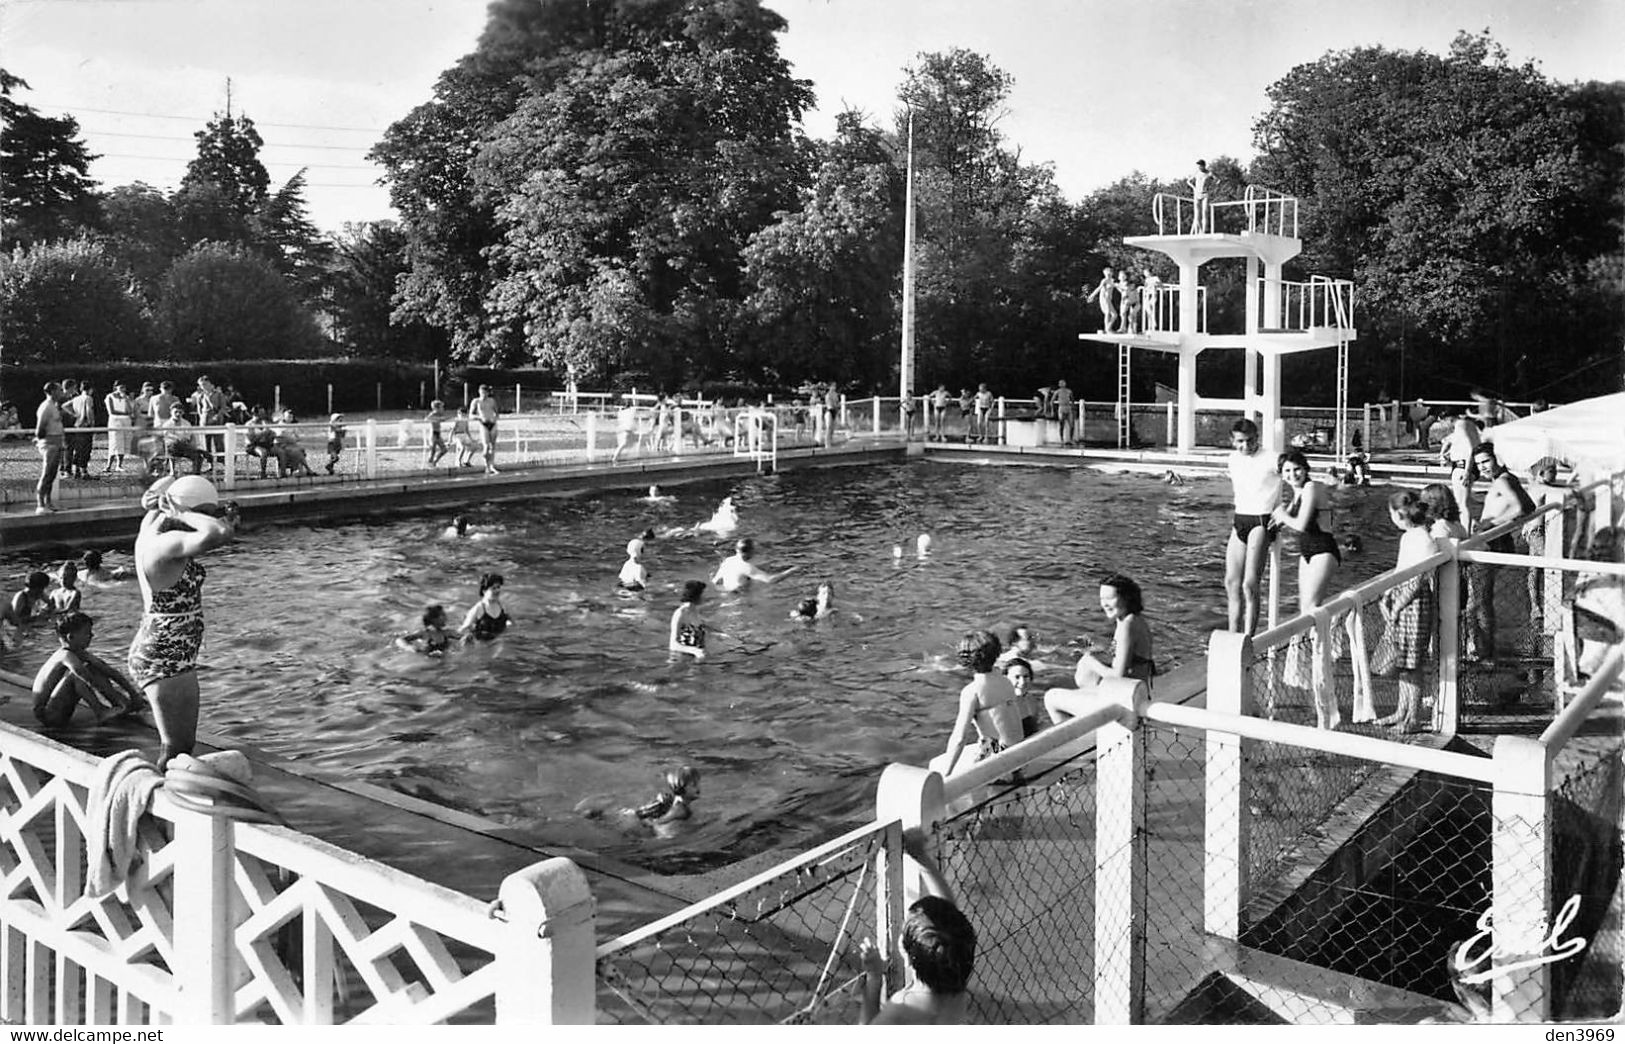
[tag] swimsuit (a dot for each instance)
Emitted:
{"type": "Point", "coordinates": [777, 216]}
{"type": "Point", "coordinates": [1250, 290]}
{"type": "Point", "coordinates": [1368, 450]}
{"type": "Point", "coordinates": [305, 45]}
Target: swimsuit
{"type": "Point", "coordinates": [1245, 524]}
{"type": "Point", "coordinates": [171, 632]}
{"type": "Point", "coordinates": [487, 627]}
{"type": "Point", "coordinates": [1314, 540]}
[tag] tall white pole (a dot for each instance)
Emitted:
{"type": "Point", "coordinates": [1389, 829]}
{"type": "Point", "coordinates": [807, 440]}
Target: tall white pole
{"type": "Point", "coordinates": [906, 371]}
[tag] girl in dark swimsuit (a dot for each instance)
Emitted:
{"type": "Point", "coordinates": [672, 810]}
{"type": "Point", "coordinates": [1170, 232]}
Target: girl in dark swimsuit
{"type": "Point", "coordinates": [1318, 553]}
{"type": "Point", "coordinates": [1131, 654]}
{"type": "Point", "coordinates": [486, 618]}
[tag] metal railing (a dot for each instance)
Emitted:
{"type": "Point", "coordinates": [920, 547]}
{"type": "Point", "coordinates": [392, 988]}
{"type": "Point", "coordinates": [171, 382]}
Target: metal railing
{"type": "Point", "coordinates": [1320, 303]}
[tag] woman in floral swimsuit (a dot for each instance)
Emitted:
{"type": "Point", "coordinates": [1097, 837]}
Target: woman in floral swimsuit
{"type": "Point", "coordinates": [184, 519]}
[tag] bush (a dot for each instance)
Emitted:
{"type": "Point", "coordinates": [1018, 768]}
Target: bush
{"type": "Point", "coordinates": [66, 301]}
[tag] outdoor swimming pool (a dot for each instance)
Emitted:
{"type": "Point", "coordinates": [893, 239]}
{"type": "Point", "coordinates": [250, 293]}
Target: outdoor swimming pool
{"type": "Point", "coordinates": [577, 707]}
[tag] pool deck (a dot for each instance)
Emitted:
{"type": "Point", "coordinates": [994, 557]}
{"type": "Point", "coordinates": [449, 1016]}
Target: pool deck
{"type": "Point", "coordinates": [116, 519]}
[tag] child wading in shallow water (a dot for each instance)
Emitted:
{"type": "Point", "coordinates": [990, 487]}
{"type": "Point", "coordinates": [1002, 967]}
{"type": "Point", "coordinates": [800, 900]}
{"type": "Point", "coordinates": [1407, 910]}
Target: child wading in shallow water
{"type": "Point", "coordinates": [432, 639]}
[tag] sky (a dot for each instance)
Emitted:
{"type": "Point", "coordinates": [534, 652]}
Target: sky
{"type": "Point", "coordinates": [1101, 88]}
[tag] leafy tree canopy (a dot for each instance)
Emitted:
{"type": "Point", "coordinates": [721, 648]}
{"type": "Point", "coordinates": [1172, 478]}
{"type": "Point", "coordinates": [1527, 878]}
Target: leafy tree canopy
{"type": "Point", "coordinates": [66, 301]}
{"type": "Point", "coordinates": [45, 187]}
{"type": "Point", "coordinates": [224, 301]}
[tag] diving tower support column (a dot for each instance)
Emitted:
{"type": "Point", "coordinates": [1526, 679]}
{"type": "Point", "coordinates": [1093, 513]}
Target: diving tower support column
{"type": "Point", "coordinates": [1274, 438]}
{"type": "Point", "coordinates": [1188, 351]}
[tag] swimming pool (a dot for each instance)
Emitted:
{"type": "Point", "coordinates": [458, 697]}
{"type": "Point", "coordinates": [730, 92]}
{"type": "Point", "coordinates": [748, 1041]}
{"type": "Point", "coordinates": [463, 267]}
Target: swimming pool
{"type": "Point", "coordinates": [577, 708]}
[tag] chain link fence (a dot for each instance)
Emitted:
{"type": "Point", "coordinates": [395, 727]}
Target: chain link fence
{"type": "Point", "coordinates": [1022, 864]}
{"type": "Point", "coordinates": [778, 949]}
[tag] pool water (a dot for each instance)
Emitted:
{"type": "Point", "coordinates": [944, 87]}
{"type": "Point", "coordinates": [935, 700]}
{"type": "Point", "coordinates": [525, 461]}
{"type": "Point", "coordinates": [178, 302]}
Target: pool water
{"type": "Point", "coordinates": [576, 712]}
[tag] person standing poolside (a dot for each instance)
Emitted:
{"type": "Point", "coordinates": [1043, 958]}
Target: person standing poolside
{"type": "Point", "coordinates": [184, 521]}
{"type": "Point", "coordinates": [939, 410]}
{"type": "Point", "coordinates": [1456, 453]}
{"type": "Point", "coordinates": [48, 439]}
{"type": "Point", "coordinates": [687, 634]}
{"type": "Point", "coordinates": [626, 428]}
{"type": "Point", "coordinates": [984, 412]}
{"type": "Point", "coordinates": [484, 409]}
{"type": "Point", "coordinates": [1065, 412]}
{"type": "Point", "coordinates": [1504, 501]}
{"type": "Point", "coordinates": [77, 413]}
{"type": "Point", "coordinates": [120, 424]}
{"type": "Point", "coordinates": [1410, 608]}
{"type": "Point", "coordinates": [158, 405]}
{"type": "Point", "coordinates": [832, 410]}
{"type": "Point", "coordinates": [1105, 291]}
{"type": "Point", "coordinates": [1257, 489]}
{"type": "Point", "coordinates": [437, 441]}
{"type": "Point", "coordinates": [1199, 191]}
{"type": "Point", "coordinates": [1318, 553]}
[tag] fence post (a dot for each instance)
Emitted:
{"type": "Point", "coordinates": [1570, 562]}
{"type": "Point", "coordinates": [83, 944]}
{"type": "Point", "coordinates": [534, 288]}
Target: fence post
{"type": "Point", "coordinates": [546, 970]}
{"type": "Point", "coordinates": [372, 448]}
{"type": "Point", "coordinates": [1227, 830]}
{"type": "Point", "coordinates": [912, 796]}
{"type": "Point", "coordinates": [1365, 422]}
{"type": "Point", "coordinates": [1000, 415]}
{"type": "Point", "coordinates": [229, 480]}
{"type": "Point", "coordinates": [1520, 882]}
{"type": "Point", "coordinates": [276, 399]}
{"type": "Point", "coordinates": [205, 942]}
{"type": "Point", "coordinates": [875, 404]}
{"type": "Point", "coordinates": [1078, 435]}
{"type": "Point", "coordinates": [677, 431]}
{"type": "Point", "coordinates": [1120, 860]}
{"type": "Point", "coordinates": [1447, 702]}
{"type": "Point", "coordinates": [1274, 614]}
{"type": "Point", "coordinates": [846, 419]}
{"type": "Point", "coordinates": [592, 435]}
{"type": "Point", "coordinates": [1168, 435]}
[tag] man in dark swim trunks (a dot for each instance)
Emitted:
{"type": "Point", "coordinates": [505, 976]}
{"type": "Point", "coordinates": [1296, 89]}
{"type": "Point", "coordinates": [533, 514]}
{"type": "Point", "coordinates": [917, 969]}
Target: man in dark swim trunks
{"type": "Point", "coordinates": [1257, 488]}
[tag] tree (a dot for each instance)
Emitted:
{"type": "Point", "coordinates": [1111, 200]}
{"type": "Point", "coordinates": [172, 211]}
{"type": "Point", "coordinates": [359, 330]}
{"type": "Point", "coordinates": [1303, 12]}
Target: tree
{"type": "Point", "coordinates": [295, 246]}
{"type": "Point", "coordinates": [141, 232]}
{"type": "Point", "coordinates": [46, 191]}
{"type": "Point", "coordinates": [607, 164]}
{"type": "Point", "coordinates": [825, 278]}
{"type": "Point", "coordinates": [222, 301]}
{"type": "Point", "coordinates": [68, 301]}
{"type": "Point", "coordinates": [368, 261]}
{"type": "Point", "coordinates": [228, 157]}
{"type": "Point", "coordinates": [1461, 194]}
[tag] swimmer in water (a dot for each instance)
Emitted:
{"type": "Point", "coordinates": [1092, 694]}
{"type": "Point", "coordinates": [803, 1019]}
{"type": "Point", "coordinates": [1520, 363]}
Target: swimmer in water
{"type": "Point", "coordinates": [486, 618]}
{"type": "Point", "coordinates": [687, 625]}
{"type": "Point", "coordinates": [671, 805]}
{"type": "Point", "coordinates": [922, 546]}
{"type": "Point", "coordinates": [93, 572]}
{"type": "Point", "coordinates": [657, 497]}
{"type": "Point", "coordinates": [724, 521]}
{"type": "Point", "coordinates": [432, 639]}
{"type": "Point", "coordinates": [1172, 478]}
{"type": "Point", "coordinates": [458, 527]}
{"type": "Point", "coordinates": [817, 607]}
{"type": "Point", "coordinates": [737, 570]}
{"type": "Point", "coordinates": [634, 577]}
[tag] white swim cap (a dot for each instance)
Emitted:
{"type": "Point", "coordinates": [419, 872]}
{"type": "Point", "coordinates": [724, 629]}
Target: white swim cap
{"type": "Point", "coordinates": [924, 542]}
{"type": "Point", "coordinates": [190, 492]}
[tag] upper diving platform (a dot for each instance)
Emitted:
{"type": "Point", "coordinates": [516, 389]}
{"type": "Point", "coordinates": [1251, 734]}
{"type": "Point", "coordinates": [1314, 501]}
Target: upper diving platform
{"type": "Point", "coordinates": [1262, 224]}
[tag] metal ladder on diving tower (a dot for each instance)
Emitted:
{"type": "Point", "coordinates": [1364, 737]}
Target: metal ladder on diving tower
{"type": "Point", "coordinates": [1340, 315]}
{"type": "Point", "coordinates": [1125, 420]}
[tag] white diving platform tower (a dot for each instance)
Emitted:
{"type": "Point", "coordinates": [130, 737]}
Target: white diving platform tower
{"type": "Point", "coordinates": [1283, 317]}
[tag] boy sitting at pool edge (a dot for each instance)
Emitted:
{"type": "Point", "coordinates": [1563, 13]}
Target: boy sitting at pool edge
{"type": "Point", "coordinates": [74, 673]}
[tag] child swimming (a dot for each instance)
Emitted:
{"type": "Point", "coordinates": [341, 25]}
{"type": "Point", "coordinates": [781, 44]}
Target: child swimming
{"type": "Point", "coordinates": [657, 497]}
{"type": "Point", "coordinates": [724, 521]}
{"type": "Point", "coordinates": [672, 803]}
{"type": "Point", "coordinates": [817, 607]}
{"type": "Point", "coordinates": [432, 639]}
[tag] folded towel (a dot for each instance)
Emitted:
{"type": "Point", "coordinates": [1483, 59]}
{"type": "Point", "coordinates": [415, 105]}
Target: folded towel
{"type": "Point", "coordinates": [120, 794]}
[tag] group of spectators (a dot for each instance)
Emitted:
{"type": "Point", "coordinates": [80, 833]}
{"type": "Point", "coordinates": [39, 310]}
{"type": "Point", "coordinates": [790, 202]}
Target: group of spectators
{"type": "Point", "coordinates": [157, 423]}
